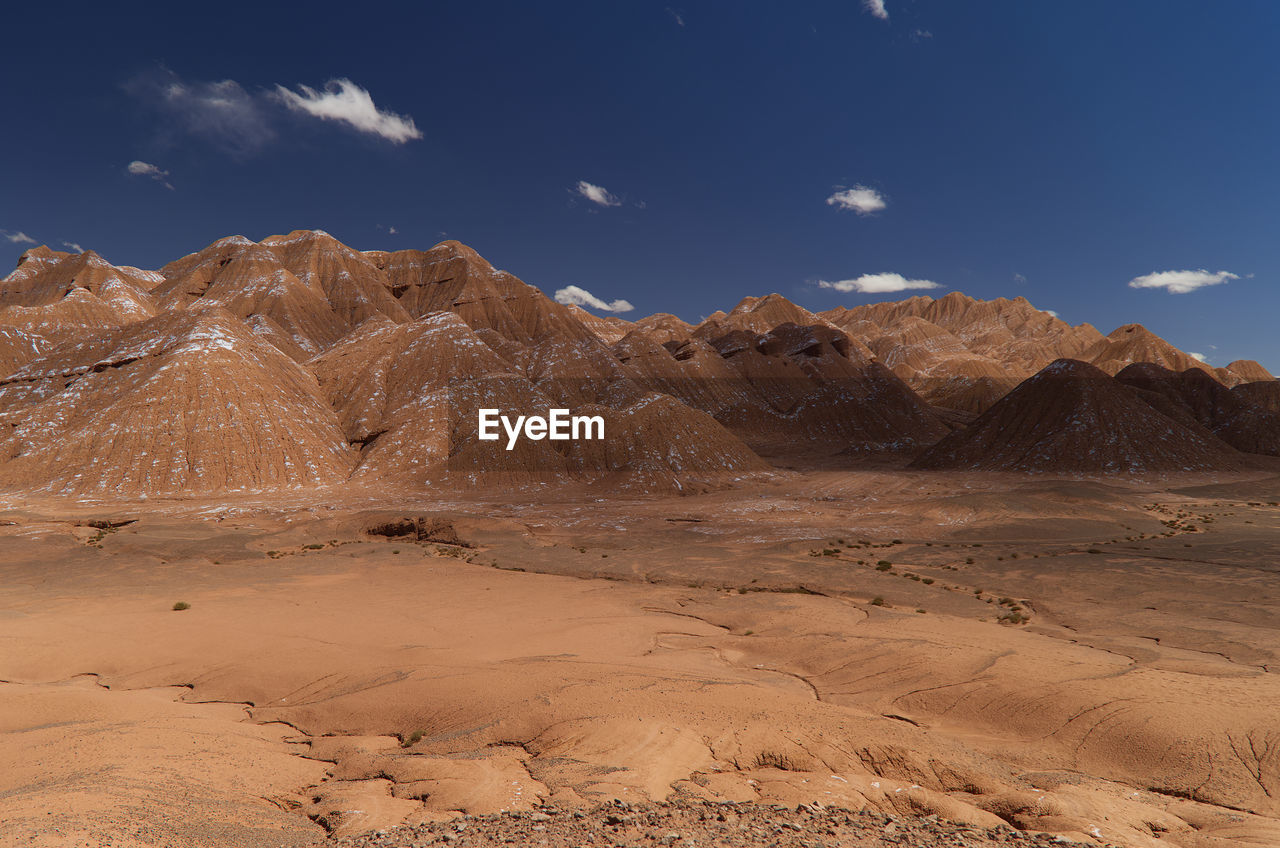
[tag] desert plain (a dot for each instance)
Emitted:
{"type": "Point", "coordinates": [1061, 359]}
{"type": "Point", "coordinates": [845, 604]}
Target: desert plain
{"type": "Point", "coordinates": [1089, 657]}
{"type": "Point", "coordinates": [949, 560]}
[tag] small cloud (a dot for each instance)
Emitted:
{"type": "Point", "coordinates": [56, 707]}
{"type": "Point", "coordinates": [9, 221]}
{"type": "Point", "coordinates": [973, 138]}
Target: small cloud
{"type": "Point", "coordinates": [876, 8]}
{"type": "Point", "coordinates": [877, 284]}
{"type": "Point", "coordinates": [576, 296]}
{"type": "Point", "coordinates": [1198, 357]}
{"type": "Point", "coordinates": [392, 230]}
{"type": "Point", "coordinates": [596, 194]}
{"type": "Point", "coordinates": [344, 101]}
{"type": "Point", "coordinates": [1050, 312]}
{"type": "Point", "coordinates": [18, 237]}
{"type": "Point", "coordinates": [1181, 282]}
{"type": "Point", "coordinates": [1019, 279]}
{"type": "Point", "coordinates": [145, 169]}
{"type": "Point", "coordinates": [676, 16]}
{"type": "Point", "coordinates": [859, 199]}
{"type": "Point", "coordinates": [921, 34]}
{"type": "Point", "coordinates": [74, 246]}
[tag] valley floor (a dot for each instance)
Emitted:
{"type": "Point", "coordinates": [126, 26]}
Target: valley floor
{"type": "Point", "coordinates": [1088, 658]}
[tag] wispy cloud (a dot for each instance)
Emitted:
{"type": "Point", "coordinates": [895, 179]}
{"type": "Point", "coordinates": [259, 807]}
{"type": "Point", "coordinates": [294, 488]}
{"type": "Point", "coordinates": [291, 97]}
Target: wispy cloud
{"type": "Point", "coordinates": [220, 113]}
{"type": "Point", "coordinates": [598, 195]}
{"type": "Point", "coordinates": [877, 284]}
{"type": "Point", "coordinates": [145, 169]}
{"type": "Point", "coordinates": [859, 199]}
{"type": "Point", "coordinates": [1181, 282]}
{"type": "Point", "coordinates": [577, 296]}
{"type": "Point", "coordinates": [73, 246]}
{"type": "Point", "coordinates": [241, 122]}
{"type": "Point", "coordinates": [1198, 357]}
{"type": "Point", "coordinates": [876, 8]}
{"type": "Point", "coordinates": [1050, 312]}
{"type": "Point", "coordinates": [344, 101]}
{"type": "Point", "coordinates": [17, 237]}
{"type": "Point", "coordinates": [676, 16]}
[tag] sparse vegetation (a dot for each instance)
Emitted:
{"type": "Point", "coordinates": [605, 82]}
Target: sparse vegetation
{"type": "Point", "coordinates": [412, 739]}
{"type": "Point", "coordinates": [180, 606]}
{"type": "Point", "coordinates": [877, 601]}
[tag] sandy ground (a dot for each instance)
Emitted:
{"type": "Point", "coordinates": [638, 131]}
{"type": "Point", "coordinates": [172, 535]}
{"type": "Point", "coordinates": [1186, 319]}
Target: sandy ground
{"type": "Point", "coordinates": [843, 646]}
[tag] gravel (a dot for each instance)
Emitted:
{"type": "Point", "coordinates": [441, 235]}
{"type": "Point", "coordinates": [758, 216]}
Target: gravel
{"type": "Point", "coordinates": [689, 824]}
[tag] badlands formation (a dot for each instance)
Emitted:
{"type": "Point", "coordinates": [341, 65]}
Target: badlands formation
{"type": "Point", "coordinates": [263, 583]}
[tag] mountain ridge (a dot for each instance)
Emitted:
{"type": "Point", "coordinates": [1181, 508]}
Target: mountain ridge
{"type": "Point", "coordinates": [334, 365]}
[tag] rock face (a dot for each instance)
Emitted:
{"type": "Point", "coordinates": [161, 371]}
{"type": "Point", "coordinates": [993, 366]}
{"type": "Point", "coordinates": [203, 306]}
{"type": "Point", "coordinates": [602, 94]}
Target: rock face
{"type": "Point", "coordinates": [1245, 424]}
{"type": "Point", "coordinates": [964, 354]}
{"type": "Point", "coordinates": [1072, 417]}
{"type": "Point", "coordinates": [188, 401]}
{"type": "Point", "coordinates": [298, 361]}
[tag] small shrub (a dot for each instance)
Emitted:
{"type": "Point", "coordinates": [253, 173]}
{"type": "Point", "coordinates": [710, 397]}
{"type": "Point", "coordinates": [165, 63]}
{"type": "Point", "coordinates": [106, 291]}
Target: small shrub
{"type": "Point", "coordinates": [180, 606]}
{"type": "Point", "coordinates": [877, 601]}
{"type": "Point", "coordinates": [928, 581]}
{"type": "Point", "coordinates": [883, 565]}
{"type": "Point", "coordinates": [412, 739]}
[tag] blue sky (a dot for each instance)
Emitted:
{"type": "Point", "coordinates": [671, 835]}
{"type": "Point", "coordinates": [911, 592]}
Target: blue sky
{"type": "Point", "coordinates": [681, 155]}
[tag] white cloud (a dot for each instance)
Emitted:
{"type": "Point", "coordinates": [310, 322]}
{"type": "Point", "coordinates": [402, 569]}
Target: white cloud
{"type": "Point", "coordinates": [1050, 312]}
{"type": "Point", "coordinates": [392, 230]}
{"type": "Point", "coordinates": [342, 100]}
{"type": "Point", "coordinates": [18, 237]}
{"type": "Point", "coordinates": [1198, 357]}
{"type": "Point", "coordinates": [676, 16]}
{"type": "Point", "coordinates": [574, 295]}
{"type": "Point", "coordinates": [71, 244]}
{"type": "Point", "coordinates": [598, 195]}
{"type": "Point", "coordinates": [860, 199]}
{"type": "Point", "coordinates": [1181, 282]}
{"type": "Point", "coordinates": [876, 8]}
{"type": "Point", "coordinates": [877, 284]}
{"type": "Point", "coordinates": [145, 169]}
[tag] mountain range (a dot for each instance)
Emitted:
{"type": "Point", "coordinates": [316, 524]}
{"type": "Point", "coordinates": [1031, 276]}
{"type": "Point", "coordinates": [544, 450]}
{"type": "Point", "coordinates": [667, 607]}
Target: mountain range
{"type": "Point", "coordinates": [297, 361]}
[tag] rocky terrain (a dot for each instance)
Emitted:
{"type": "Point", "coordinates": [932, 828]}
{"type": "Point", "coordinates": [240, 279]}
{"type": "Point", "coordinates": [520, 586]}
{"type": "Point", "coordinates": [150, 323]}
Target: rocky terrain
{"type": "Point", "coordinates": [300, 362]}
{"type": "Point", "coordinates": [683, 825]}
{"type": "Point", "coordinates": [939, 572]}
